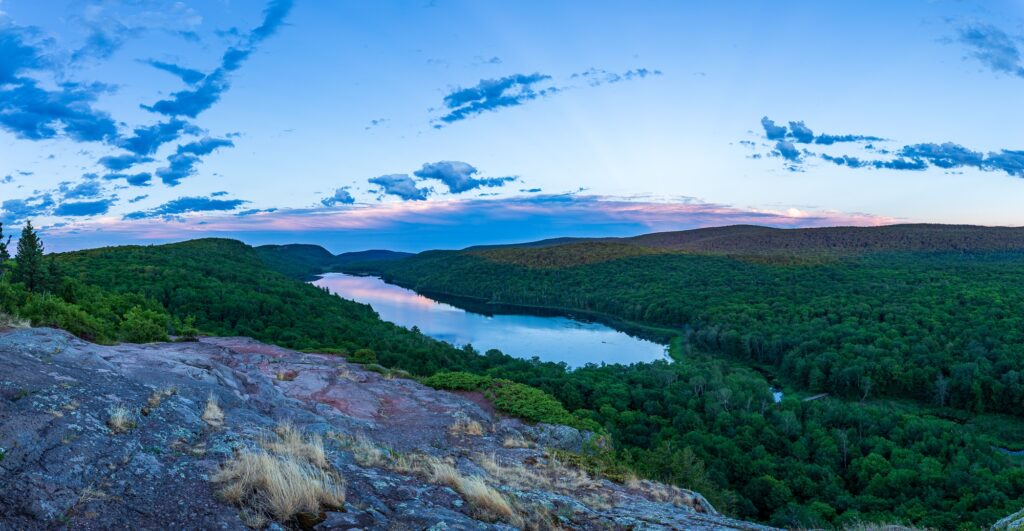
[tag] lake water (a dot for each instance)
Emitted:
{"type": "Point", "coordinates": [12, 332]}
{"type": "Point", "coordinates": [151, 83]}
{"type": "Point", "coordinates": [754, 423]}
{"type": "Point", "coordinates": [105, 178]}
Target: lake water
{"type": "Point", "coordinates": [559, 339]}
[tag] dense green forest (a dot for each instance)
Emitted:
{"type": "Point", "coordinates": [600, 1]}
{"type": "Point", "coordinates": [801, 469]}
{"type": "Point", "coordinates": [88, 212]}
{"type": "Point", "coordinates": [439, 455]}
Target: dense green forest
{"type": "Point", "coordinates": [709, 423]}
{"type": "Point", "coordinates": [939, 328]}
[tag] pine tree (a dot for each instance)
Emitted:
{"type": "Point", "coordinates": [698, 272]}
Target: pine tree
{"type": "Point", "coordinates": [29, 268]}
{"type": "Point", "coordinates": [5, 255]}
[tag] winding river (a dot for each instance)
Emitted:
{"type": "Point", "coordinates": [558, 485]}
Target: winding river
{"type": "Point", "coordinates": [551, 338]}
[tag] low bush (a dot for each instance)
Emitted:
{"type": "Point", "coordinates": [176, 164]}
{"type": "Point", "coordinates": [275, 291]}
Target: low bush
{"type": "Point", "coordinates": [516, 399]}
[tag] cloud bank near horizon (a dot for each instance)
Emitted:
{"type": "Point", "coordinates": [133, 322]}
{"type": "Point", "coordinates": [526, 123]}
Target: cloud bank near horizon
{"type": "Point", "coordinates": [422, 225]}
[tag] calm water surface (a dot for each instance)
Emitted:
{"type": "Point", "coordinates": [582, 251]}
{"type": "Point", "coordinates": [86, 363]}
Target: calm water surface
{"type": "Point", "coordinates": [550, 338]}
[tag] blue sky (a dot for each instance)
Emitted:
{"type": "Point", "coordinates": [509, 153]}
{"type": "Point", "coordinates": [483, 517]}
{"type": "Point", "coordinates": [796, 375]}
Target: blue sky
{"type": "Point", "coordinates": [444, 123]}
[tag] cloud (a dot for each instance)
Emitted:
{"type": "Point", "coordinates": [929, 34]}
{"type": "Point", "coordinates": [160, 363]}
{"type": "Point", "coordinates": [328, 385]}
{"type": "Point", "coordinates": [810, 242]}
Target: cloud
{"type": "Point", "coordinates": [493, 94]}
{"type": "Point", "coordinates": [801, 133]}
{"type": "Point", "coordinates": [32, 112]}
{"type": "Point", "coordinates": [147, 139]}
{"type": "Point", "coordinates": [187, 75]}
{"type": "Point", "coordinates": [84, 189]}
{"type": "Point", "coordinates": [16, 54]}
{"type": "Point", "coordinates": [85, 208]}
{"type": "Point", "coordinates": [137, 179]}
{"type": "Point", "coordinates": [20, 209]}
{"type": "Point", "coordinates": [103, 40]}
{"type": "Point", "coordinates": [828, 140]}
{"type": "Point", "coordinates": [458, 176]}
{"type": "Point", "coordinates": [510, 91]}
{"type": "Point", "coordinates": [205, 146]}
{"type": "Point", "coordinates": [596, 77]}
{"type": "Point", "coordinates": [341, 197]}
{"type": "Point", "coordinates": [138, 198]}
{"type": "Point", "coordinates": [454, 223]}
{"type": "Point", "coordinates": [994, 48]}
{"type": "Point", "coordinates": [207, 92]}
{"type": "Point", "coordinates": [122, 162]}
{"type": "Point", "coordinates": [182, 162]}
{"type": "Point", "coordinates": [772, 131]}
{"type": "Point", "coordinates": [912, 157]}
{"type": "Point", "coordinates": [376, 122]}
{"type": "Point", "coordinates": [401, 185]}
{"type": "Point", "coordinates": [184, 205]}
{"type": "Point", "coordinates": [787, 151]}
{"type": "Point", "coordinates": [946, 155]}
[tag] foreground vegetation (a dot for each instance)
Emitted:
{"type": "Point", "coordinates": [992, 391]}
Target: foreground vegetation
{"type": "Point", "coordinates": [709, 424]}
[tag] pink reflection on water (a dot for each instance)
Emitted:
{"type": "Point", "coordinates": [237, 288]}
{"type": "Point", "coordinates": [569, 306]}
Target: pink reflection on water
{"type": "Point", "coordinates": [367, 288]}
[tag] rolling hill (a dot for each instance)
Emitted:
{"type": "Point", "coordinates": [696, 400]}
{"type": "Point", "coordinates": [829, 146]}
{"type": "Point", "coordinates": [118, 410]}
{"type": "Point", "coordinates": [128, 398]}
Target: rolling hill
{"type": "Point", "coordinates": [303, 261]}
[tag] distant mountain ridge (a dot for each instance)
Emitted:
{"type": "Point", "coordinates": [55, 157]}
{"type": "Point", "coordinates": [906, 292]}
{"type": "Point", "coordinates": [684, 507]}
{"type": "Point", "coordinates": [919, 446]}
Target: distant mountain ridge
{"type": "Point", "coordinates": [754, 240]}
{"type": "Point", "coordinates": [300, 260]}
{"type": "Point", "coordinates": [908, 237]}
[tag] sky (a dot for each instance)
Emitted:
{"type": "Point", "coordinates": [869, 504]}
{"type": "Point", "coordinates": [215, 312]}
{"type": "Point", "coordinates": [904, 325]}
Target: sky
{"type": "Point", "coordinates": [421, 124]}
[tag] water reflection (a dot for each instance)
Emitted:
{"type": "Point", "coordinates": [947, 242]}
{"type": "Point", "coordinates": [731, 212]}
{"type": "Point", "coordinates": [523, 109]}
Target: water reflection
{"type": "Point", "coordinates": [549, 338]}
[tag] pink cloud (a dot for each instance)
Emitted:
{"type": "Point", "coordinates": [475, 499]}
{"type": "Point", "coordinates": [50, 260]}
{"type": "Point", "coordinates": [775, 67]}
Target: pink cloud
{"type": "Point", "coordinates": [526, 216]}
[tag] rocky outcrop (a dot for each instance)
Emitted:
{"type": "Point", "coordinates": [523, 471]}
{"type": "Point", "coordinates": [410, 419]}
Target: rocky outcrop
{"type": "Point", "coordinates": [97, 437]}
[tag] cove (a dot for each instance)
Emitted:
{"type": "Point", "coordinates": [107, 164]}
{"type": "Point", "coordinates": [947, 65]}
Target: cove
{"type": "Point", "coordinates": [556, 338]}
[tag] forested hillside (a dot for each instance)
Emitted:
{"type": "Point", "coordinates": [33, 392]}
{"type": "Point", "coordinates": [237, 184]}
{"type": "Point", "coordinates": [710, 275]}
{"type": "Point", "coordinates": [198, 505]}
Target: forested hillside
{"type": "Point", "coordinates": [941, 328]}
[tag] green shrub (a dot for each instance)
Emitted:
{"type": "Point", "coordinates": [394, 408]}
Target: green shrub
{"type": "Point", "coordinates": [527, 402]}
{"type": "Point", "coordinates": [363, 355]}
{"type": "Point", "coordinates": [144, 326]}
{"type": "Point", "coordinates": [47, 310]}
{"type": "Point", "coordinates": [516, 399]}
{"type": "Point", "coordinates": [458, 381]}
{"type": "Point", "coordinates": [186, 329]}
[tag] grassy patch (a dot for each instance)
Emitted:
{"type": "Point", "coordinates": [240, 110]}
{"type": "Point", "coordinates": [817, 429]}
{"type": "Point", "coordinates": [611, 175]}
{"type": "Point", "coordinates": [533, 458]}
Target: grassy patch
{"type": "Point", "coordinates": [288, 480]}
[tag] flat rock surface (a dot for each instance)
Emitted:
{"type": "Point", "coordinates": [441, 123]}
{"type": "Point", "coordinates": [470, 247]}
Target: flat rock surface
{"type": "Point", "coordinates": [62, 466]}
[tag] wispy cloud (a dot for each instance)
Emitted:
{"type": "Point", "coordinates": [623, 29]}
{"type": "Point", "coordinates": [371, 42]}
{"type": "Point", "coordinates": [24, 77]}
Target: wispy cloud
{"type": "Point", "coordinates": [182, 163]}
{"type": "Point", "coordinates": [494, 94]}
{"type": "Point", "coordinates": [187, 75]}
{"type": "Point", "coordinates": [417, 225]}
{"type": "Point", "coordinates": [490, 95]}
{"type": "Point", "coordinates": [207, 91]}
{"type": "Point", "coordinates": [185, 205]}
{"type": "Point", "coordinates": [913, 157]}
{"type": "Point", "coordinates": [994, 48]}
{"type": "Point", "coordinates": [596, 76]}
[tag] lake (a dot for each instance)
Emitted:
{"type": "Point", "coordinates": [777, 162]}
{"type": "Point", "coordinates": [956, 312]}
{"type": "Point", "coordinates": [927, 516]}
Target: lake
{"type": "Point", "coordinates": [550, 338]}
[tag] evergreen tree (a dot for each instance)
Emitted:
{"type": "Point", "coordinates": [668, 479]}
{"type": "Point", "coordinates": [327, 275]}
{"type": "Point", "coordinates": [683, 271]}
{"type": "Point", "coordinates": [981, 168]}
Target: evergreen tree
{"type": "Point", "coordinates": [5, 255]}
{"type": "Point", "coordinates": [29, 268]}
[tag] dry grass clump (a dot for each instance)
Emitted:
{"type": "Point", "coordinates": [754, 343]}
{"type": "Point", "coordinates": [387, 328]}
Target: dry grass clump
{"type": "Point", "coordinates": [465, 426]}
{"type": "Point", "coordinates": [516, 441]}
{"type": "Point", "coordinates": [663, 493]}
{"type": "Point", "coordinates": [487, 503]}
{"type": "Point", "coordinates": [485, 500]}
{"type": "Point", "coordinates": [281, 486]}
{"type": "Point", "coordinates": [287, 376]}
{"type": "Point", "coordinates": [292, 443]}
{"type": "Point", "coordinates": [553, 476]}
{"type": "Point", "coordinates": [213, 414]}
{"type": "Point", "coordinates": [364, 451]}
{"type": "Point", "coordinates": [121, 419]}
{"type": "Point", "coordinates": [158, 397]}
{"type": "Point", "coordinates": [289, 478]}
